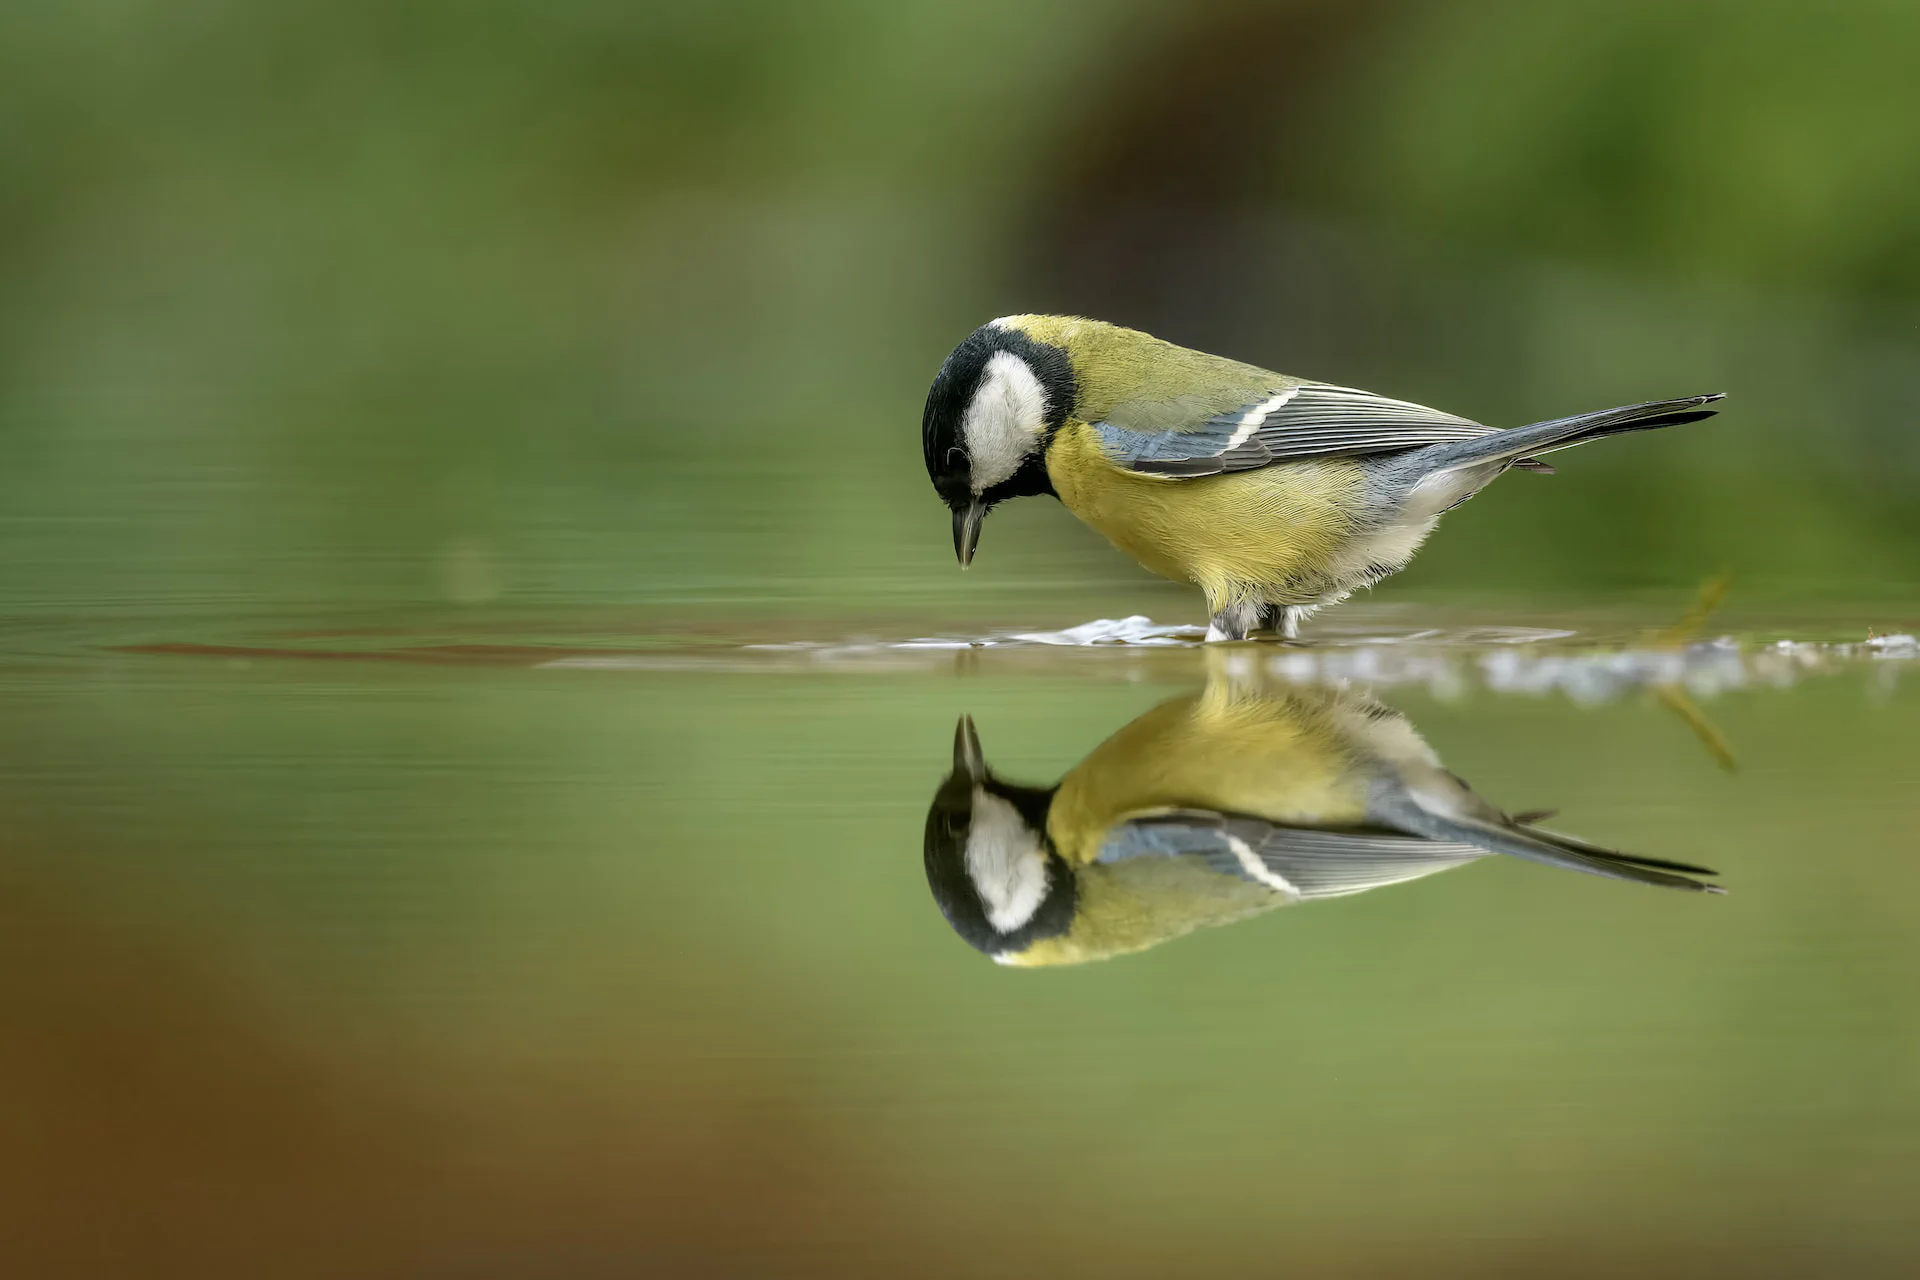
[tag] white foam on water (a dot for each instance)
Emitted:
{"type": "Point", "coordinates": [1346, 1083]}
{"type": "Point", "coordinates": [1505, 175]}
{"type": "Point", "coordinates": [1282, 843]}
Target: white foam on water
{"type": "Point", "coordinates": [1898, 646]}
{"type": "Point", "coordinates": [1522, 661]}
{"type": "Point", "coordinates": [1136, 629]}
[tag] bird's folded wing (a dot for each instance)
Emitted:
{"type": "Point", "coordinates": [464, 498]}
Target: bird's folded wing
{"type": "Point", "coordinates": [1305, 420]}
{"type": "Point", "coordinates": [1302, 862]}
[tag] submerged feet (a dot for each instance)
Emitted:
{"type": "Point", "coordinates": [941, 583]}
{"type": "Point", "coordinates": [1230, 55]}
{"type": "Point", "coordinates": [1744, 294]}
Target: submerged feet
{"type": "Point", "coordinates": [1238, 621]}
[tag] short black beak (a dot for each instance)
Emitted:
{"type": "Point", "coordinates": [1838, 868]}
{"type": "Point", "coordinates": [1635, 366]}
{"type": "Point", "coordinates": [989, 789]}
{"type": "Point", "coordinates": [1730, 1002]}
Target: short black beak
{"type": "Point", "coordinates": [966, 530]}
{"type": "Point", "coordinates": [968, 760]}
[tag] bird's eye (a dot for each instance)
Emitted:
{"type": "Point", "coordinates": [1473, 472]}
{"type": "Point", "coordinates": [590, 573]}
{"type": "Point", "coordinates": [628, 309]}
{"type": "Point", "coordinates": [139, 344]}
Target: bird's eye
{"type": "Point", "coordinates": [953, 824]}
{"type": "Point", "coordinates": [956, 456]}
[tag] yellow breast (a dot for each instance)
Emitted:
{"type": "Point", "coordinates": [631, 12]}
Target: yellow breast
{"type": "Point", "coordinates": [1269, 526]}
{"type": "Point", "coordinates": [1289, 759]}
{"type": "Point", "coordinates": [1142, 903]}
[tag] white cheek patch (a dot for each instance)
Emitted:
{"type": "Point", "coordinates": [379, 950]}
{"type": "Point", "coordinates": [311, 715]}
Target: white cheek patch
{"type": "Point", "coordinates": [1005, 420]}
{"type": "Point", "coordinates": [1005, 863]}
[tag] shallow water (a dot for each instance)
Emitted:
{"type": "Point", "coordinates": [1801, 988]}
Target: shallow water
{"type": "Point", "coordinates": [555, 943]}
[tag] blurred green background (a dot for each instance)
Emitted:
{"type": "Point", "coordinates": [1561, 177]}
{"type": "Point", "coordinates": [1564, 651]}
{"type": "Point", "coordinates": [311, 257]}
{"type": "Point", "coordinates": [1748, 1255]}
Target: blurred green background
{"type": "Point", "coordinates": [437, 340]}
{"type": "Point", "coordinates": [366, 303]}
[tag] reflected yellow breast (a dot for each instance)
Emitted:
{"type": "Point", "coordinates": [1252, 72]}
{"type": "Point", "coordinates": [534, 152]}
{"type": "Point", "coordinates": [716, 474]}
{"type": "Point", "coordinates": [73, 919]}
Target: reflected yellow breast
{"type": "Point", "coordinates": [1288, 759]}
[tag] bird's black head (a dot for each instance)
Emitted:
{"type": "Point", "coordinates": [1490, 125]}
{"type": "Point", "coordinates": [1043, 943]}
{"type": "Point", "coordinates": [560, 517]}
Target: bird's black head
{"type": "Point", "coordinates": [994, 874]}
{"type": "Point", "coordinates": [990, 412]}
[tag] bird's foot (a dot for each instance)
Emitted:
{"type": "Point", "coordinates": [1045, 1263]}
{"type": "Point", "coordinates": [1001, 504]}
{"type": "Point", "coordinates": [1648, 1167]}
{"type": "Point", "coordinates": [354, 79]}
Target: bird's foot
{"type": "Point", "coordinates": [1283, 620]}
{"type": "Point", "coordinates": [1233, 622]}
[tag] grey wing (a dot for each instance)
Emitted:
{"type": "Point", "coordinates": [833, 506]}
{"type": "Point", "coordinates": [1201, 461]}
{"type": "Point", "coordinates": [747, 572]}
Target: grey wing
{"type": "Point", "coordinates": [1306, 420]}
{"type": "Point", "coordinates": [1301, 862]}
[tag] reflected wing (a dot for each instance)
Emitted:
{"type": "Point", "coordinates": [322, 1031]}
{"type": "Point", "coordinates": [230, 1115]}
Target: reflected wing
{"type": "Point", "coordinates": [1305, 420]}
{"type": "Point", "coordinates": [1301, 862]}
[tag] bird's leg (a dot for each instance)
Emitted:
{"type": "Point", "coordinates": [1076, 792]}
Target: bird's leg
{"type": "Point", "coordinates": [1233, 621]}
{"type": "Point", "coordinates": [1282, 619]}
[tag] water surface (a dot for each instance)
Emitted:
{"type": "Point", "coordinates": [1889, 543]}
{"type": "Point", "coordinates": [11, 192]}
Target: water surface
{"type": "Point", "coordinates": [418, 944]}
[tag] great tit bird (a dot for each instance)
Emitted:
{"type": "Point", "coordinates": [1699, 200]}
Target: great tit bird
{"type": "Point", "coordinates": [1275, 494]}
{"type": "Point", "coordinates": [1211, 808]}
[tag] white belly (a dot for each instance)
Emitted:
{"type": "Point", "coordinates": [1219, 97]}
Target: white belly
{"type": "Point", "coordinates": [1370, 554]}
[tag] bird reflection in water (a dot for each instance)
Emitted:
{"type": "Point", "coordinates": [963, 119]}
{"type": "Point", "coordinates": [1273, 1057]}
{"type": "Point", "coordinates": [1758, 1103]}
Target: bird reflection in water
{"type": "Point", "coordinates": [1214, 807]}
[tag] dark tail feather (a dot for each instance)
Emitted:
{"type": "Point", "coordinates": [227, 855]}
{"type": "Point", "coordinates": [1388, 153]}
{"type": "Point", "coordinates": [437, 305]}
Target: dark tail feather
{"type": "Point", "coordinates": [1594, 850]}
{"type": "Point", "coordinates": [1576, 855]}
{"type": "Point", "coordinates": [1564, 433]}
{"type": "Point", "coordinates": [1553, 850]}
